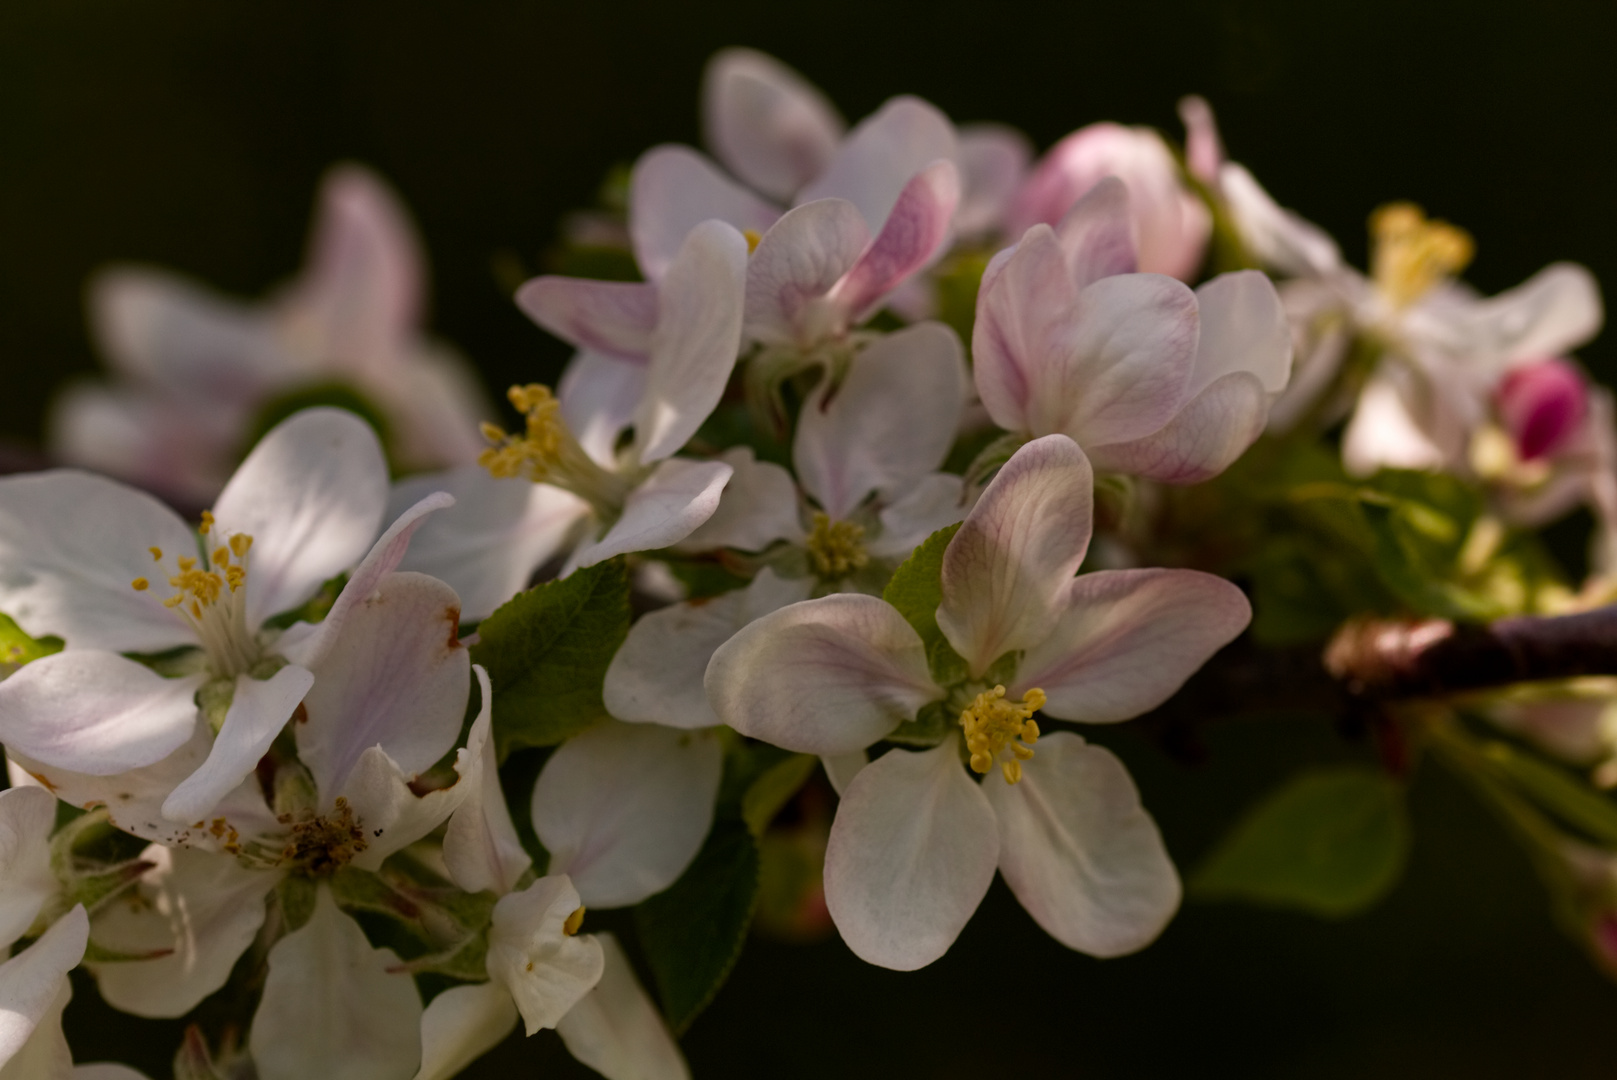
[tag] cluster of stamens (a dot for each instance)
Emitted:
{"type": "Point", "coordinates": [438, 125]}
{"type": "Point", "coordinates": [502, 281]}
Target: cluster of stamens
{"type": "Point", "coordinates": [323, 845]}
{"type": "Point", "coordinates": [204, 591]}
{"type": "Point", "coordinates": [993, 725]}
{"type": "Point", "coordinates": [1412, 254]}
{"type": "Point", "coordinates": [546, 452]}
{"type": "Point", "coordinates": [836, 548]}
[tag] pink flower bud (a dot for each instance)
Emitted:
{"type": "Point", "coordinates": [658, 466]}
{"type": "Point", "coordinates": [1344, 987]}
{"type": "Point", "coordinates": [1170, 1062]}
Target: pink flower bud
{"type": "Point", "coordinates": [1542, 406]}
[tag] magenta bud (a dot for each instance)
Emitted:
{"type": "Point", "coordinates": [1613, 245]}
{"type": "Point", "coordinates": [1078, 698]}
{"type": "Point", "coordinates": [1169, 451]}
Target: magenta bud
{"type": "Point", "coordinates": [1542, 406]}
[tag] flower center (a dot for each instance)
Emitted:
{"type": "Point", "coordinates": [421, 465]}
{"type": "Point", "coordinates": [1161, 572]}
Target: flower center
{"type": "Point", "coordinates": [836, 548]}
{"type": "Point", "coordinates": [323, 845]}
{"type": "Point", "coordinates": [210, 599]}
{"type": "Point", "coordinates": [994, 726]}
{"type": "Point", "coordinates": [1411, 254]}
{"type": "Point", "coordinates": [547, 452]}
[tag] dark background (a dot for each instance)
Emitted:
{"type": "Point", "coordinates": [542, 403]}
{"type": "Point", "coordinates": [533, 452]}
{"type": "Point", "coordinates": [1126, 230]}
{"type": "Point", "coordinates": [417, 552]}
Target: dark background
{"type": "Point", "coordinates": [192, 134]}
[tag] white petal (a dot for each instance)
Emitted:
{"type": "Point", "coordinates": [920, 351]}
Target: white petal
{"type": "Point", "coordinates": [624, 808]}
{"type": "Point", "coordinates": [599, 394]}
{"type": "Point", "coordinates": [311, 494]}
{"type": "Point", "coordinates": [1098, 234]}
{"type": "Point", "coordinates": [664, 510]}
{"type": "Point", "coordinates": [546, 970]}
{"type": "Point", "coordinates": [850, 445]}
{"type": "Point", "coordinates": [33, 987]}
{"type": "Point", "coordinates": [462, 1024]}
{"type": "Point", "coordinates": [881, 154]}
{"type": "Point", "coordinates": [27, 816]}
{"type": "Point", "coordinates": [1243, 328]}
{"type": "Point", "coordinates": [614, 318]}
{"type": "Point", "coordinates": [95, 712]}
{"type": "Point", "coordinates": [434, 402]}
{"type": "Point", "coordinates": [796, 264]}
{"type": "Point", "coordinates": [759, 507]}
{"type": "Point", "coordinates": [693, 349]}
{"type": "Point", "coordinates": [1025, 309]}
{"type": "Point", "coordinates": [332, 1006]}
{"type": "Point", "coordinates": [1549, 314]}
{"type": "Point", "coordinates": [1080, 852]}
{"type": "Point", "coordinates": [71, 544]}
{"type": "Point", "coordinates": [487, 546]}
{"type": "Point", "coordinates": [1209, 434]}
{"type": "Point", "coordinates": [205, 907]}
{"type": "Point", "coordinates": [766, 122]}
{"type": "Point", "coordinates": [911, 855]}
{"type": "Point", "coordinates": [1128, 639]}
{"type": "Point", "coordinates": [396, 677]}
{"type": "Point", "coordinates": [931, 502]}
{"type": "Point", "coordinates": [672, 190]}
{"type": "Point", "coordinates": [616, 1030]}
{"type": "Point", "coordinates": [1399, 423]}
{"type": "Point", "coordinates": [1005, 571]}
{"type": "Point", "coordinates": [258, 712]}
{"type": "Point", "coordinates": [993, 161]}
{"type": "Point", "coordinates": [656, 675]}
{"type": "Point", "coordinates": [481, 847]}
{"type": "Point", "coordinates": [1279, 239]}
{"type": "Point", "coordinates": [824, 676]}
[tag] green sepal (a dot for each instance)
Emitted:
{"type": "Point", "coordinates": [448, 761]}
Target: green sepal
{"type": "Point", "coordinates": [16, 647]}
{"type": "Point", "coordinates": [98, 887]}
{"type": "Point", "coordinates": [100, 954]}
{"type": "Point", "coordinates": [466, 961]}
{"type": "Point", "coordinates": [295, 897]}
{"type": "Point", "coordinates": [773, 789]}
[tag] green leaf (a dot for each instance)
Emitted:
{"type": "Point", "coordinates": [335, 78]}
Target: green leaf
{"type": "Point", "coordinates": [916, 591]}
{"type": "Point", "coordinates": [1330, 841]}
{"type": "Point", "coordinates": [1564, 795]}
{"type": "Point", "coordinates": [17, 647]}
{"type": "Point", "coordinates": [692, 932]}
{"type": "Point", "coordinates": [547, 650]}
{"type": "Point", "coordinates": [768, 794]}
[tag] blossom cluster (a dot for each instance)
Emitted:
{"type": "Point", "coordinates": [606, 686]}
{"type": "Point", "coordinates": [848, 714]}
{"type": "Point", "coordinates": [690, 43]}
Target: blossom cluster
{"type": "Point", "coordinates": [871, 471]}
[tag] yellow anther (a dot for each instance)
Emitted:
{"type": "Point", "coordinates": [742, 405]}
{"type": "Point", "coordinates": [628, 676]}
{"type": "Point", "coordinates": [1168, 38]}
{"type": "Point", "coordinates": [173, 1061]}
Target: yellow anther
{"type": "Point", "coordinates": [753, 237]}
{"type": "Point", "coordinates": [207, 522]}
{"type": "Point", "coordinates": [196, 609]}
{"type": "Point", "coordinates": [157, 553]}
{"type": "Point", "coordinates": [1411, 254]}
{"type": "Point", "coordinates": [574, 921]}
{"type": "Point", "coordinates": [221, 556]}
{"type": "Point", "coordinates": [241, 543]}
{"type": "Point", "coordinates": [537, 451]}
{"type": "Point", "coordinates": [187, 564]}
{"type": "Point", "coordinates": [174, 601]}
{"type": "Point", "coordinates": [140, 584]}
{"type": "Point", "coordinates": [836, 548]}
{"type": "Point", "coordinates": [994, 725]}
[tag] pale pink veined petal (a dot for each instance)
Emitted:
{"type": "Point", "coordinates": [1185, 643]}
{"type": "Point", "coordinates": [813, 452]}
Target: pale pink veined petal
{"type": "Point", "coordinates": [599, 394]}
{"type": "Point", "coordinates": [910, 237]}
{"type": "Point", "coordinates": [1006, 571]}
{"type": "Point", "coordinates": [1128, 639]}
{"type": "Point", "coordinates": [1098, 234]}
{"type": "Point", "coordinates": [795, 265]}
{"type": "Point", "coordinates": [481, 846]}
{"type": "Point", "coordinates": [27, 817]}
{"type": "Point", "coordinates": [664, 510]}
{"type": "Point", "coordinates": [1209, 433]}
{"type": "Point", "coordinates": [33, 989]}
{"type": "Point", "coordinates": [672, 190]}
{"type": "Point", "coordinates": [611, 317]}
{"type": "Point", "coordinates": [928, 504]}
{"type": "Point", "coordinates": [993, 160]}
{"type": "Point", "coordinates": [759, 507]}
{"type": "Point", "coordinates": [1025, 312]}
{"type": "Point", "coordinates": [616, 1030]}
{"type": "Point", "coordinates": [882, 154]}
{"type": "Point", "coordinates": [1243, 328]}
{"type": "Point", "coordinates": [462, 1024]}
{"type": "Point", "coordinates": [766, 122]}
{"type": "Point", "coordinates": [825, 676]}
{"type": "Point", "coordinates": [1279, 239]}
{"type": "Point", "coordinates": [546, 970]}
{"type": "Point", "coordinates": [1080, 852]}
{"type": "Point", "coordinates": [911, 855]}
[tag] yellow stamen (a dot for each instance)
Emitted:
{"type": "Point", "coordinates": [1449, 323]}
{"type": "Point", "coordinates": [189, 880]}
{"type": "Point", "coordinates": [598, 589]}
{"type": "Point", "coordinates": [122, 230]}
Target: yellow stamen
{"type": "Point", "coordinates": [140, 584]}
{"type": "Point", "coordinates": [221, 556]}
{"type": "Point", "coordinates": [207, 522]}
{"type": "Point", "coordinates": [836, 548]}
{"type": "Point", "coordinates": [574, 921]}
{"type": "Point", "coordinates": [753, 237]}
{"type": "Point", "coordinates": [157, 553]}
{"type": "Point", "coordinates": [241, 544]}
{"type": "Point", "coordinates": [993, 726]}
{"type": "Point", "coordinates": [1412, 254]}
{"type": "Point", "coordinates": [546, 452]}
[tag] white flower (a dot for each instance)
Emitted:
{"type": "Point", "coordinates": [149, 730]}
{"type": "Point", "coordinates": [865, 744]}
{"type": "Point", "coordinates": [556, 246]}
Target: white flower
{"type": "Point", "coordinates": [916, 840]}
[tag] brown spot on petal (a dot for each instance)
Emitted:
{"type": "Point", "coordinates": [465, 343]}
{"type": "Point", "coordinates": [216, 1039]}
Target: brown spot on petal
{"type": "Point", "coordinates": [44, 781]}
{"type": "Point", "coordinates": [453, 615]}
{"type": "Point", "coordinates": [300, 715]}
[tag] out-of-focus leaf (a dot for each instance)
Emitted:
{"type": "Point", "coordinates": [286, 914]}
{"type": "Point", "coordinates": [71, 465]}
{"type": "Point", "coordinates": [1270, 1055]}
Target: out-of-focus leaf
{"type": "Point", "coordinates": [773, 789]}
{"type": "Point", "coordinates": [17, 647]}
{"type": "Point", "coordinates": [916, 590]}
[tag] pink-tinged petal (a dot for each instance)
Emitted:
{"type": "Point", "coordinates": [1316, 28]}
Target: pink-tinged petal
{"type": "Point", "coordinates": [1098, 234]}
{"type": "Point", "coordinates": [27, 817]}
{"type": "Point", "coordinates": [488, 545]}
{"type": "Point", "coordinates": [71, 544]}
{"type": "Point", "coordinates": [611, 317]}
{"type": "Point", "coordinates": [993, 161]}
{"type": "Point", "coordinates": [396, 677]}
{"type": "Point", "coordinates": [1204, 151]}
{"type": "Point", "coordinates": [656, 676]}
{"type": "Point", "coordinates": [796, 264]}
{"type": "Point", "coordinates": [1081, 853]}
{"type": "Point", "coordinates": [462, 1024]}
{"type": "Point", "coordinates": [672, 190]}
{"type": "Point", "coordinates": [1206, 438]}
{"type": "Point", "coordinates": [910, 237]}
{"type": "Point", "coordinates": [1549, 314]}
{"type": "Point", "coordinates": [767, 123]}
{"type": "Point", "coordinates": [616, 1030]}
{"type": "Point", "coordinates": [599, 394]}
{"type": "Point", "coordinates": [759, 507]}
{"type": "Point", "coordinates": [624, 808]}
{"type": "Point", "coordinates": [258, 712]}
{"type": "Point", "coordinates": [361, 294]}
{"type": "Point", "coordinates": [911, 855]}
{"type": "Point", "coordinates": [95, 712]}
{"type": "Point", "coordinates": [1006, 571]}
{"type": "Point", "coordinates": [664, 510]}
{"type": "Point", "coordinates": [1400, 423]}
{"type": "Point", "coordinates": [202, 909]}
{"type": "Point", "coordinates": [1126, 367]}
{"type": "Point", "coordinates": [847, 444]}
{"type": "Point", "coordinates": [481, 846]}
{"type": "Point", "coordinates": [1542, 405]}
{"type": "Point", "coordinates": [334, 1006]}
{"type": "Point", "coordinates": [311, 495]}
{"type": "Point", "coordinates": [1243, 328]}
{"type": "Point", "coordinates": [693, 349]}
{"type": "Point", "coordinates": [167, 330]}
{"type": "Point", "coordinates": [33, 989]}
{"type": "Point", "coordinates": [882, 154]}
{"type": "Point", "coordinates": [546, 970]}
{"type": "Point", "coordinates": [1279, 239]}
{"type": "Point", "coordinates": [824, 676]}
{"type": "Point", "coordinates": [1019, 344]}
{"type": "Point", "coordinates": [931, 502]}
{"type": "Point", "coordinates": [1127, 641]}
